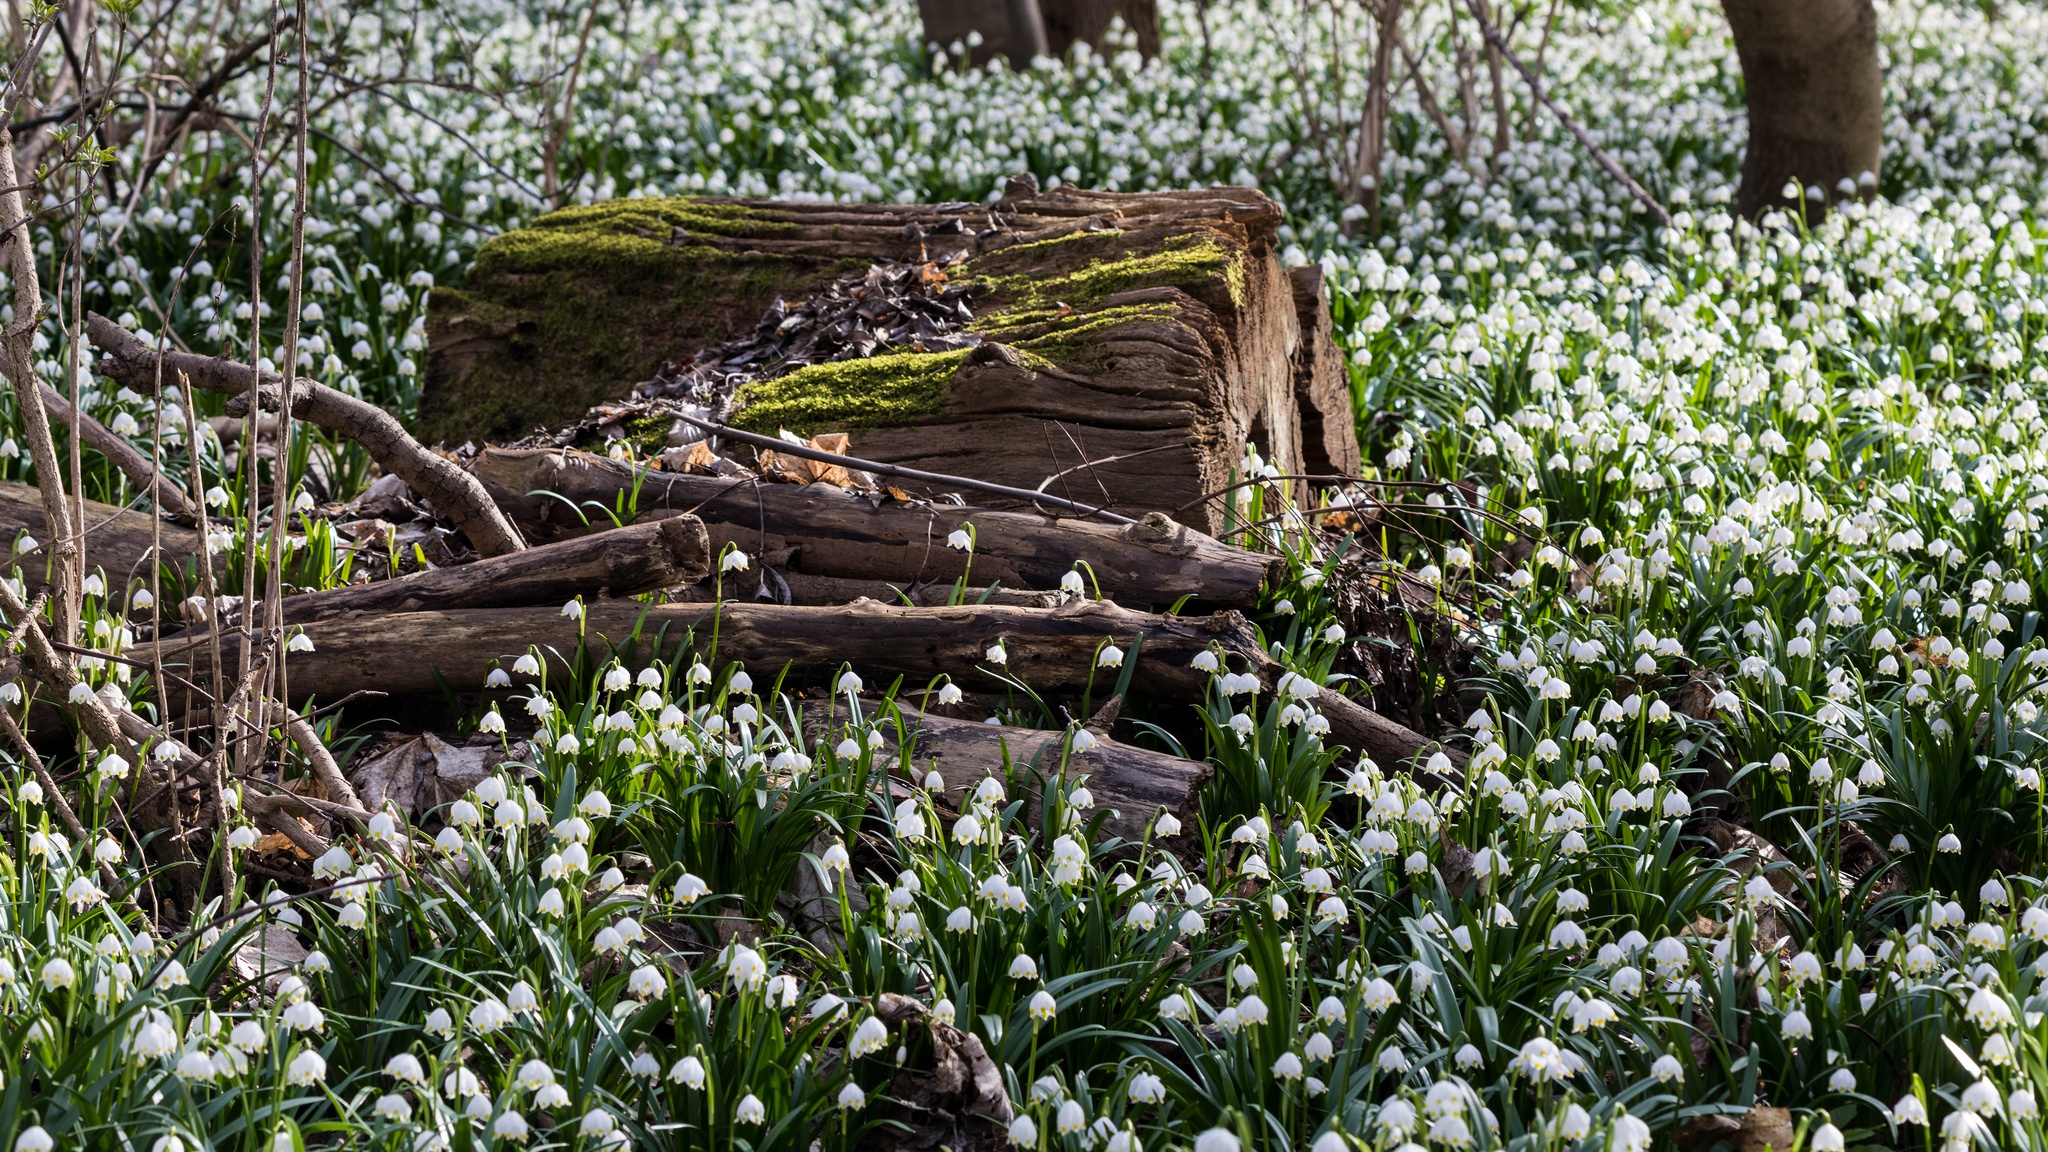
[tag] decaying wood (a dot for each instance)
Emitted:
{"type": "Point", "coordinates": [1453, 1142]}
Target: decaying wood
{"type": "Point", "coordinates": [434, 478]}
{"type": "Point", "coordinates": [1158, 329]}
{"type": "Point", "coordinates": [1322, 385]}
{"type": "Point", "coordinates": [1133, 784]}
{"type": "Point", "coordinates": [631, 560]}
{"type": "Point", "coordinates": [119, 539]}
{"type": "Point", "coordinates": [833, 532]}
{"type": "Point", "coordinates": [428, 653]}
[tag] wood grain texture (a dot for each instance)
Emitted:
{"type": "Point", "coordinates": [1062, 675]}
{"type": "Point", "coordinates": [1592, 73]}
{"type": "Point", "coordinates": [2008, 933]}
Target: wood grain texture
{"type": "Point", "coordinates": [625, 562]}
{"type": "Point", "coordinates": [427, 653]}
{"type": "Point", "coordinates": [1133, 784]}
{"type": "Point", "coordinates": [823, 531]}
{"type": "Point", "coordinates": [117, 540]}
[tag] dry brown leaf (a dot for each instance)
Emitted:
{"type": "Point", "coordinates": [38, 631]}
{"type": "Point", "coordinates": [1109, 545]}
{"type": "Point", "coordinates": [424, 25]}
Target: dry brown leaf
{"type": "Point", "coordinates": [279, 842]}
{"type": "Point", "coordinates": [699, 457]}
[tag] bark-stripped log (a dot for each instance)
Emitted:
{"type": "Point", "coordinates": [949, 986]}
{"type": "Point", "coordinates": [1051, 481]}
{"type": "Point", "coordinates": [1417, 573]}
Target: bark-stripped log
{"type": "Point", "coordinates": [116, 540]}
{"type": "Point", "coordinates": [830, 531]}
{"type": "Point", "coordinates": [627, 562]}
{"type": "Point", "coordinates": [427, 653]}
{"type": "Point", "coordinates": [1133, 784]}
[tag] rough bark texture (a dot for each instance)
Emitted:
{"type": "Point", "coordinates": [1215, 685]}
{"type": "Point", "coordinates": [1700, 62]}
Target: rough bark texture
{"type": "Point", "coordinates": [116, 539]}
{"type": "Point", "coordinates": [427, 653]}
{"type": "Point", "coordinates": [434, 478]}
{"type": "Point", "coordinates": [1815, 92]}
{"type": "Point", "coordinates": [1134, 784]}
{"type": "Point", "coordinates": [820, 530]}
{"type": "Point", "coordinates": [639, 558]}
{"type": "Point", "coordinates": [1112, 324]}
{"type": "Point", "coordinates": [1064, 24]}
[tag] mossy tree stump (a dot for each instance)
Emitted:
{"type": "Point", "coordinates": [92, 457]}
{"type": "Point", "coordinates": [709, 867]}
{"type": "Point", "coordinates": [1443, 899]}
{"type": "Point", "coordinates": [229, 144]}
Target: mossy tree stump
{"type": "Point", "coordinates": [1158, 329]}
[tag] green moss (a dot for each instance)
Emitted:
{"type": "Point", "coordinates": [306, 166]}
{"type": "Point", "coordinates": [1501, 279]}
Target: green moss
{"type": "Point", "coordinates": [1193, 262]}
{"type": "Point", "coordinates": [879, 392]}
{"type": "Point", "coordinates": [572, 318]}
{"type": "Point", "coordinates": [662, 216]}
{"type": "Point", "coordinates": [1075, 341]}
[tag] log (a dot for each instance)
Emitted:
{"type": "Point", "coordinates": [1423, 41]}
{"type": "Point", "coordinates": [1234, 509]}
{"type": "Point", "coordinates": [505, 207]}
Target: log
{"type": "Point", "coordinates": [428, 653]}
{"type": "Point", "coordinates": [436, 479]}
{"type": "Point", "coordinates": [640, 558]}
{"type": "Point", "coordinates": [1133, 784]}
{"type": "Point", "coordinates": [116, 539]}
{"type": "Point", "coordinates": [1153, 334]}
{"type": "Point", "coordinates": [834, 532]}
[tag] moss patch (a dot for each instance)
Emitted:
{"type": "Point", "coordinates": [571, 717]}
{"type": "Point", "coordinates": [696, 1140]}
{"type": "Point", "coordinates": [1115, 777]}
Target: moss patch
{"type": "Point", "coordinates": [878, 392]}
{"type": "Point", "coordinates": [1073, 342]}
{"type": "Point", "coordinates": [1018, 275]}
{"type": "Point", "coordinates": [569, 319]}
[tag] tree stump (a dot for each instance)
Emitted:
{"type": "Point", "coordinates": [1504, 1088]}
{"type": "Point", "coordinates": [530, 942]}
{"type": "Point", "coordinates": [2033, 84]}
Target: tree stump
{"type": "Point", "coordinates": [1131, 344]}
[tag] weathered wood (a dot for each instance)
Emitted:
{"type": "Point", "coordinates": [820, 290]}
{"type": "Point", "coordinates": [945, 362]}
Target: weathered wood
{"type": "Point", "coordinates": [1133, 784]}
{"type": "Point", "coordinates": [1322, 384]}
{"type": "Point", "coordinates": [827, 531]}
{"type": "Point", "coordinates": [428, 653]}
{"type": "Point", "coordinates": [117, 540]}
{"type": "Point", "coordinates": [1112, 325]}
{"type": "Point", "coordinates": [640, 558]}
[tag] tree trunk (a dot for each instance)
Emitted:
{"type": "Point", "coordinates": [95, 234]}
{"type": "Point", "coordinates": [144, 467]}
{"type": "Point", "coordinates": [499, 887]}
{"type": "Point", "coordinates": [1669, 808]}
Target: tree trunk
{"type": "Point", "coordinates": [1131, 344]}
{"type": "Point", "coordinates": [1816, 99]}
{"type": "Point", "coordinates": [820, 530]}
{"type": "Point", "coordinates": [1068, 22]}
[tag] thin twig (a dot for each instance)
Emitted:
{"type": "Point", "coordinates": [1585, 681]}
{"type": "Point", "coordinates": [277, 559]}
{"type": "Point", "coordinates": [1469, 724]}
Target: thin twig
{"type": "Point", "coordinates": [808, 453]}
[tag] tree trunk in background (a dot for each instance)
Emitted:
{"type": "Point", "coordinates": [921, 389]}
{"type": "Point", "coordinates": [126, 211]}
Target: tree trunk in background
{"type": "Point", "coordinates": [1068, 21]}
{"type": "Point", "coordinates": [1059, 25]}
{"type": "Point", "coordinates": [1815, 94]}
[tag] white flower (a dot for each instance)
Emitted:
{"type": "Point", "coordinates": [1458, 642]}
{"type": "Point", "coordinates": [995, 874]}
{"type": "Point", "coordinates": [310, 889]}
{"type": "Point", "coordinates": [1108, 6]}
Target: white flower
{"type": "Point", "coordinates": [306, 1069]}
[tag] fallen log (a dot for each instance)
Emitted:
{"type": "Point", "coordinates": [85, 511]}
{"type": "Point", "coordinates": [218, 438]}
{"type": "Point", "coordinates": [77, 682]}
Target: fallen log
{"type": "Point", "coordinates": [428, 653]}
{"type": "Point", "coordinates": [1133, 784]}
{"type": "Point", "coordinates": [435, 478]}
{"type": "Point", "coordinates": [834, 532]}
{"type": "Point", "coordinates": [641, 558]}
{"type": "Point", "coordinates": [116, 539]}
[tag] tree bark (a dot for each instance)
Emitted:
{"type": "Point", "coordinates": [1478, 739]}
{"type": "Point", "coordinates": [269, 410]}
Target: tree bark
{"type": "Point", "coordinates": [435, 478]}
{"type": "Point", "coordinates": [429, 653]}
{"type": "Point", "coordinates": [827, 531]}
{"type": "Point", "coordinates": [1815, 93]}
{"type": "Point", "coordinates": [627, 562]}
